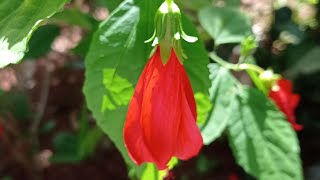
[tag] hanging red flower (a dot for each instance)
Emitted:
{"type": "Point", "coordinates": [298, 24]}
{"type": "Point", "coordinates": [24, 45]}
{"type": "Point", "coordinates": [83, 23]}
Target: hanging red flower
{"type": "Point", "coordinates": [161, 119]}
{"type": "Point", "coordinates": [286, 100]}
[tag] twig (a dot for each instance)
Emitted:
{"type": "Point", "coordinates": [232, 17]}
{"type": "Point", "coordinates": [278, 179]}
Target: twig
{"type": "Point", "coordinates": [42, 103]}
{"type": "Point", "coordinates": [45, 86]}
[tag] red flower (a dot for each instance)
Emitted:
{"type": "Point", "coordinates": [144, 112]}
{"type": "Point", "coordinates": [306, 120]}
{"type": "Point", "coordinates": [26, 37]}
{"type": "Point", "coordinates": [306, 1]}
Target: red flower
{"type": "Point", "coordinates": [286, 100]}
{"type": "Point", "coordinates": [161, 119]}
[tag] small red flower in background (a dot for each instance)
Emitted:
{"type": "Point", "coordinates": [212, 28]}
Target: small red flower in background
{"type": "Point", "coordinates": [1, 130]}
{"type": "Point", "coordinates": [161, 119]}
{"type": "Point", "coordinates": [286, 100]}
{"type": "Point", "coordinates": [233, 176]}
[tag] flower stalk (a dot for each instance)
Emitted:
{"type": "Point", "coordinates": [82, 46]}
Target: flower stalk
{"type": "Point", "coordinates": [236, 67]}
{"type": "Point", "coordinates": [253, 71]}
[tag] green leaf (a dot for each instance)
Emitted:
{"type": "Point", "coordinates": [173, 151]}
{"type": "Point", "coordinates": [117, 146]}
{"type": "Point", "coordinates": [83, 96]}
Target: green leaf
{"type": "Point", "coordinates": [17, 103]}
{"type": "Point", "coordinates": [65, 148]}
{"type": "Point", "coordinates": [111, 70]}
{"type": "Point", "coordinates": [196, 67]}
{"type": "Point", "coordinates": [74, 17]}
{"type": "Point", "coordinates": [248, 46]}
{"type": "Point", "coordinates": [72, 148]}
{"type": "Point", "coordinates": [222, 93]}
{"type": "Point", "coordinates": [109, 73]}
{"type": "Point", "coordinates": [18, 20]}
{"type": "Point", "coordinates": [307, 63]}
{"type": "Point", "coordinates": [225, 24]}
{"type": "Point", "coordinates": [40, 42]}
{"type": "Point", "coordinates": [205, 164]}
{"type": "Point", "coordinates": [203, 107]}
{"type": "Point", "coordinates": [83, 47]}
{"type": "Point", "coordinates": [88, 137]}
{"type": "Point", "coordinates": [47, 127]}
{"type": "Point", "coordinates": [193, 4]}
{"type": "Point", "coordinates": [87, 144]}
{"type": "Point", "coordinates": [116, 58]}
{"type": "Point", "coordinates": [235, 3]}
{"type": "Point", "coordinates": [262, 140]}
{"type": "Point", "coordinates": [7, 178]}
{"type": "Point", "coordinates": [110, 4]}
{"type": "Point", "coordinates": [197, 60]}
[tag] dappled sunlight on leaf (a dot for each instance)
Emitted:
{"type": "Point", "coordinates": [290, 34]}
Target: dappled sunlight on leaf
{"type": "Point", "coordinates": [119, 90]}
{"type": "Point", "coordinates": [10, 54]}
{"type": "Point", "coordinates": [203, 107]}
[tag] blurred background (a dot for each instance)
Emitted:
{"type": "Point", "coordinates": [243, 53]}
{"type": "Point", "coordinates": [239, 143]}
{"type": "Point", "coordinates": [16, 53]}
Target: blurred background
{"type": "Point", "coordinates": [46, 131]}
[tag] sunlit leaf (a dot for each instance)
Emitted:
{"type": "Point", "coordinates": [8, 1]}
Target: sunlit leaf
{"type": "Point", "coordinates": [221, 94]}
{"type": "Point", "coordinates": [116, 57]}
{"type": "Point", "coordinates": [18, 20]}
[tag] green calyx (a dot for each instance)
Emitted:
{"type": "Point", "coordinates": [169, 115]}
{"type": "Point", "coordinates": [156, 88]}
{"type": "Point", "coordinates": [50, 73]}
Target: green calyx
{"type": "Point", "coordinates": [269, 78]}
{"type": "Point", "coordinates": [168, 31]}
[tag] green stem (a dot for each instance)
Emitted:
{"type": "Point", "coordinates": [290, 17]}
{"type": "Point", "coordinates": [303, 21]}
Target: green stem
{"type": "Point", "coordinates": [253, 71]}
{"type": "Point", "coordinates": [169, 1]}
{"type": "Point", "coordinates": [252, 67]}
{"type": "Point", "coordinates": [235, 67]}
{"type": "Point", "coordinates": [257, 81]}
{"type": "Point", "coordinates": [222, 62]}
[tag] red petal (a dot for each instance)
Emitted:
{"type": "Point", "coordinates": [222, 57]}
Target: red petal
{"type": "Point", "coordinates": [285, 85]}
{"type": "Point", "coordinates": [133, 138]}
{"type": "Point", "coordinates": [294, 100]}
{"type": "Point", "coordinates": [189, 93]}
{"type": "Point", "coordinates": [161, 111]}
{"type": "Point", "coordinates": [189, 139]}
{"type": "Point", "coordinates": [286, 101]}
{"type": "Point", "coordinates": [296, 126]}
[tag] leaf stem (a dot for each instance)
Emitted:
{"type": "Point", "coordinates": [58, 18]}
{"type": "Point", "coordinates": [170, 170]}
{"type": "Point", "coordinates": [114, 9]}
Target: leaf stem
{"type": "Point", "coordinates": [252, 67]}
{"type": "Point", "coordinates": [235, 67]}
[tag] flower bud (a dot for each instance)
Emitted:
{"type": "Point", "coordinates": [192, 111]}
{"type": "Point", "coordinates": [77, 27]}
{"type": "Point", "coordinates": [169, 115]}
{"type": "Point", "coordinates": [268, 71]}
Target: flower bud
{"type": "Point", "coordinates": [168, 31]}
